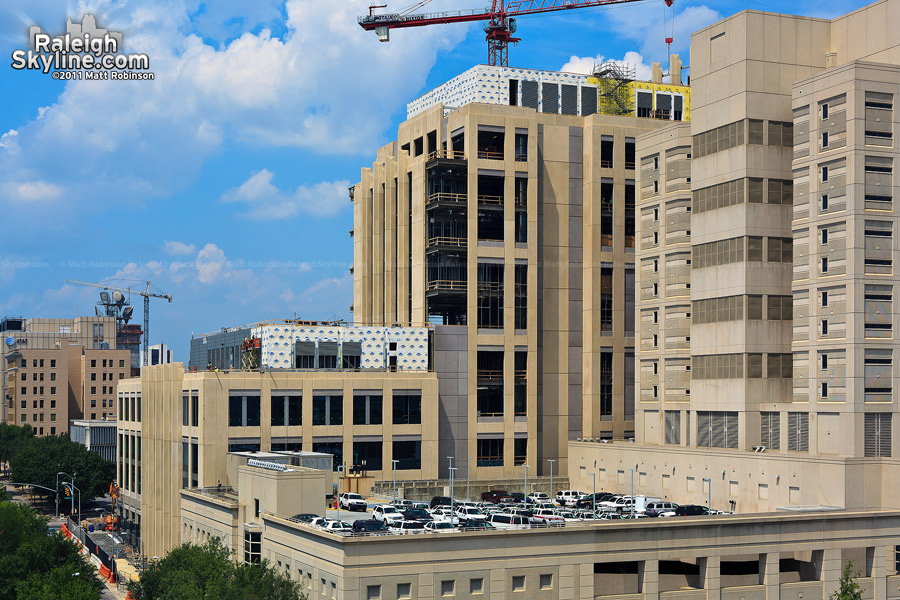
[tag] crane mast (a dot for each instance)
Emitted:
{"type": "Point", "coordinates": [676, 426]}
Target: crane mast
{"type": "Point", "coordinates": [500, 26]}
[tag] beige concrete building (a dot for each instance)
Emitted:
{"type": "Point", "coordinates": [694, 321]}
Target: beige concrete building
{"type": "Point", "coordinates": [510, 217]}
{"type": "Point", "coordinates": [184, 424]}
{"type": "Point", "coordinates": [47, 388]}
{"type": "Point", "coordinates": [789, 397]}
{"type": "Point", "coordinates": [21, 334]}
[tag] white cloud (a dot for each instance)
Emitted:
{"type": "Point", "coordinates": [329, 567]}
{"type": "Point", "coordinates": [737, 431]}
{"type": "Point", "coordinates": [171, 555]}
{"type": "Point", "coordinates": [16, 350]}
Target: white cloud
{"type": "Point", "coordinates": [320, 83]}
{"type": "Point", "coordinates": [266, 201]}
{"type": "Point", "coordinates": [32, 191]}
{"type": "Point", "coordinates": [178, 248]}
{"type": "Point", "coordinates": [649, 28]}
{"type": "Point", "coordinates": [585, 64]}
{"type": "Point", "coordinates": [7, 138]}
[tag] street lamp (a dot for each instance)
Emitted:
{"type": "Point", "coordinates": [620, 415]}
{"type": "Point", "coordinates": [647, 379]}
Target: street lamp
{"type": "Point", "coordinates": [468, 460]}
{"type": "Point", "coordinates": [526, 482]}
{"type": "Point", "coordinates": [340, 469]}
{"type": "Point", "coordinates": [73, 501]}
{"type": "Point", "coordinates": [633, 471]}
{"type": "Point", "coordinates": [452, 509]}
{"type": "Point", "coordinates": [708, 493]}
{"type": "Point", "coordinates": [594, 495]}
{"type": "Point", "coordinates": [551, 461]}
{"type": "Point", "coordinates": [394, 467]}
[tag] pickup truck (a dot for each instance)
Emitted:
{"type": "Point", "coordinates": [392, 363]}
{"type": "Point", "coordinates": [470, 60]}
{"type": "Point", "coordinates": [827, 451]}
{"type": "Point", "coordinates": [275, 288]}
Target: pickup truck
{"type": "Point", "coordinates": [494, 496]}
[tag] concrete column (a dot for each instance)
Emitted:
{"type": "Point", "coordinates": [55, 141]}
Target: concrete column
{"type": "Point", "coordinates": [498, 584]}
{"type": "Point", "coordinates": [648, 579]}
{"type": "Point", "coordinates": [831, 571]}
{"type": "Point", "coordinates": [569, 578]}
{"type": "Point", "coordinates": [425, 587]}
{"type": "Point", "coordinates": [586, 590]}
{"type": "Point", "coordinates": [709, 574]}
{"type": "Point", "coordinates": [769, 574]}
{"type": "Point", "coordinates": [876, 567]}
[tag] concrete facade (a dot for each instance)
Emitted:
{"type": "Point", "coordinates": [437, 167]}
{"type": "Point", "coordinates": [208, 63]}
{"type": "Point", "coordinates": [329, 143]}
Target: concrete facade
{"type": "Point", "coordinates": [791, 282]}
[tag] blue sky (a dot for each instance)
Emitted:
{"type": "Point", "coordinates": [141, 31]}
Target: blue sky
{"type": "Point", "coordinates": [224, 181]}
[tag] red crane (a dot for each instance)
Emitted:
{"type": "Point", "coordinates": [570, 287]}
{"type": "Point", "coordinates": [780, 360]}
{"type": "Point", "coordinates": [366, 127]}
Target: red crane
{"type": "Point", "coordinates": [498, 30]}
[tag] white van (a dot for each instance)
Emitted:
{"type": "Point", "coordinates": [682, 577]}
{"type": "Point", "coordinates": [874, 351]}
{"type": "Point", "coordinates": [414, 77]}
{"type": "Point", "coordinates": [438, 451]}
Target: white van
{"type": "Point", "coordinates": [568, 497]}
{"type": "Point", "coordinates": [507, 521]}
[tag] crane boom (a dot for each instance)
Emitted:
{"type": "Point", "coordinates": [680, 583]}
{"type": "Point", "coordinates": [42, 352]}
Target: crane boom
{"type": "Point", "coordinates": [147, 294]}
{"type": "Point", "coordinates": [499, 28]}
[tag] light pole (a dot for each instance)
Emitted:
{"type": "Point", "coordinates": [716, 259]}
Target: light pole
{"type": "Point", "coordinates": [551, 461]}
{"type": "Point", "coordinates": [468, 461]}
{"type": "Point", "coordinates": [708, 493]}
{"type": "Point", "coordinates": [526, 483]}
{"type": "Point", "coordinates": [57, 489]}
{"type": "Point", "coordinates": [394, 466]}
{"type": "Point", "coordinates": [338, 503]}
{"type": "Point", "coordinates": [633, 471]}
{"type": "Point", "coordinates": [73, 501]}
{"type": "Point", "coordinates": [452, 509]}
{"type": "Point", "coordinates": [594, 495]}
{"type": "Point", "coordinates": [450, 460]}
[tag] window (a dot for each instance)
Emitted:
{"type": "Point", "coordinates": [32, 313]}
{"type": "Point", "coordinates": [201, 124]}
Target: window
{"type": "Point", "coordinates": [407, 408]}
{"type": "Point", "coordinates": [408, 454]}
{"type": "Point", "coordinates": [185, 414]}
{"type": "Point", "coordinates": [518, 583]}
{"type": "Point", "coordinates": [373, 592]}
{"type": "Point", "coordinates": [287, 409]}
{"type": "Point", "coordinates": [824, 139]}
{"type": "Point", "coordinates": [521, 303]}
{"type": "Point", "coordinates": [824, 173]}
{"type": "Point", "coordinates": [878, 247]}
{"type": "Point", "coordinates": [546, 581]}
{"type": "Point", "coordinates": [52, 363]}
{"type": "Point", "coordinates": [825, 298]}
{"type": "Point", "coordinates": [824, 202]}
{"type": "Point", "coordinates": [877, 434]}
{"type": "Point", "coordinates": [673, 427]}
{"type": "Point", "coordinates": [824, 236]}
{"type": "Point", "coordinates": [93, 363]}
{"type": "Point", "coordinates": [490, 452]}
{"type": "Point", "coordinates": [476, 586]}
{"type": "Point", "coordinates": [253, 547]}
{"type": "Point", "coordinates": [404, 591]}
{"type": "Point", "coordinates": [824, 326]}
{"type": "Point", "coordinates": [798, 432]}
{"type": "Point", "coordinates": [717, 429]}
{"type": "Point", "coordinates": [448, 587]}
{"type": "Point", "coordinates": [770, 430]}
{"type": "Point", "coordinates": [328, 409]}
{"type": "Point", "coordinates": [195, 410]}
{"type": "Point", "coordinates": [490, 295]}
{"type": "Point", "coordinates": [244, 410]}
{"type": "Point", "coordinates": [824, 264]}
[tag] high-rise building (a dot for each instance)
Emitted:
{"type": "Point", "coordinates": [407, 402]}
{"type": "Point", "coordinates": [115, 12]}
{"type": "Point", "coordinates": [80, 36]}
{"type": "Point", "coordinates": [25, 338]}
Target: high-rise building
{"type": "Point", "coordinates": [505, 208]}
{"type": "Point", "coordinates": [766, 336]}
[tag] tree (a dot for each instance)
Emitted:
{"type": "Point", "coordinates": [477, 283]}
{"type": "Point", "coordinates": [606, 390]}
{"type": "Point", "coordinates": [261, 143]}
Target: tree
{"type": "Point", "coordinates": [13, 439]}
{"type": "Point", "coordinates": [37, 566]}
{"type": "Point", "coordinates": [43, 457]}
{"type": "Point", "coordinates": [192, 572]}
{"type": "Point", "coordinates": [849, 588]}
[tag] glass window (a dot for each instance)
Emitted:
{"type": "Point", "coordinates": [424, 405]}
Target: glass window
{"type": "Point", "coordinates": [407, 409]}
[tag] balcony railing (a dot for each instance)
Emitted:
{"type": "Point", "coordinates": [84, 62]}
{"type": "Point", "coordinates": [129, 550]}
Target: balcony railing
{"type": "Point", "coordinates": [446, 198]}
{"type": "Point", "coordinates": [629, 164]}
{"type": "Point", "coordinates": [491, 374]}
{"type": "Point", "coordinates": [487, 199]}
{"type": "Point", "coordinates": [521, 202]}
{"type": "Point", "coordinates": [522, 156]}
{"type": "Point", "coordinates": [490, 287]}
{"type": "Point", "coordinates": [449, 154]}
{"type": "Point", "coordinates": [445, 285]}
{"type": "Point", "coordinates": [490, 154]}
{"type": "Point", "coordinates": [454, 242]}
{"type": "Point", "coordinates": [606, 164]}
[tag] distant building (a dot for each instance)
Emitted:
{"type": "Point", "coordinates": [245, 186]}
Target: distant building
{"type": "Point", "coordinates": [160, 354]}
{"type": "Point", "coordinates": [96, 435]}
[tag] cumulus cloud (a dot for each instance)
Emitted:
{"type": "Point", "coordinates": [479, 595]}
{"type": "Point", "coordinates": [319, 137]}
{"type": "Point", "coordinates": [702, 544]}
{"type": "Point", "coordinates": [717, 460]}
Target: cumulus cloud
{"type": "Point", "coordinates": [178, 248]}
{"type": "Point", "coordinates": [648, 28]}
{"type": "Point", "coordinates": [585, 64]}
{"type": "Point", "coordinates": [265, 201]}
{"type": "Point", "coordinates": [267, 77]}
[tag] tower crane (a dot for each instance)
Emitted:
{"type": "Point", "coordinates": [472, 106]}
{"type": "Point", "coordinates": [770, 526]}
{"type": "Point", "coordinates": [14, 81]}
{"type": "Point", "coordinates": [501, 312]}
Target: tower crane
{"type": "Point", "coordinates": [500, 22]}
{"type": "Point", "coordinates": [146, 293]}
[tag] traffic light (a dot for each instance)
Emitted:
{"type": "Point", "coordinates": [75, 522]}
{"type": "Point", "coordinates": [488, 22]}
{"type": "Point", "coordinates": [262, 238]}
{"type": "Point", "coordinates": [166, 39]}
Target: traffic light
{"type": "Point", "coordinates": [67, 492]}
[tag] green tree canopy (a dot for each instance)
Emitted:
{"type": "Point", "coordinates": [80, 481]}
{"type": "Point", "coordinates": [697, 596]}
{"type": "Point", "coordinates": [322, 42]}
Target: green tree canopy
{"type": "Point", "coordinates": [35, 566]}
{"type": "Point", "coordinates": [43, 457]}
{"type": "Point", "coordinates": [199, 572]}
{"type": "Point", "coordinates": [13, 439]}
{"type": "Point", "coordinates": [849, 588]}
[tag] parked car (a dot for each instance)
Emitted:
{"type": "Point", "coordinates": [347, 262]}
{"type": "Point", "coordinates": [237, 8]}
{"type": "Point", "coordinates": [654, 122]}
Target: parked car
{"type": "Point", "coordinates": [691, 510]}
{"type": "Point", "coordinates": [403, 503]}
{"type": "Point", "coordinates": [518, 497]}
{"type": "Point", "coordinates": [547, 516]}
{"type": "Point", "coordinates": [352, 501]}
{"type": "Point", "coordinates": [439, 527]}
{"type": "Point", "coordinates": [440, 501]}
{"type": "Point", "coordinates": [417, 514]}
{"type": "Point", "coordinates": [410, 527]}
{"type": "Point", "coordinates": [654, 509]}
{"type": "Point", "coordinates": [568, 497]}
{"type": "Point", "coordinates": [586, 515]}
{"type": "Point", "coordinates": [618, 504]}
{"type": "Point", "coordinates": [537, 498]}
{"type": "Point", "coordinates": [386, 513]}
{"type": "Point", "coordinates": [493, 496]}
{"type": "Point", "coordinates": [470, 513]}
{"type": "Point", "coordinates": [472, 524]}
{"type": "Point", "coordinates": [507, 521]}
{"type": "Point", "coordinates": [589, 500]}
{"type": "Point", "coordinates": [422, 505]}
{"type": "Point", "coordinates": [338, 527]}
{"type": "Point", "coordinates": [304, 517]}
{"type": "Point", "coordinates": [368, 526]}
{"type": "Point", "coordinates": [609, 516]}
{"type": "Point", "coordinates": [319, 521]}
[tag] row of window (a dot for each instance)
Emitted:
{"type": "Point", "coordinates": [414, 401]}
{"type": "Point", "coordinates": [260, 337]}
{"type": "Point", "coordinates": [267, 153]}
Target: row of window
{"type": "Point", "coordinates": [723, 252]}
{"type": "Point", "coordinates": [38, 390]}
{"type": "Point", "coordinates": [732, 308]}
{"type": "Point", "coordinates": [38, 418]}
{"type": "Point", "coordinates": [35, 376]}
{"type": "Point", "coordinates": [37, 363]}
{"type": "Point", "coordinates": [731, 366]}
{"type": "Point", "coordinates": [779, 134]}
{"type": "Point", "coordinates": [753, 190]}
{"type": "Point", "coordinates": [518, 583]}
{"type": "Point", "coordinates": [287, 409]}
{"type": "Point", "coordinates": [106, 363]}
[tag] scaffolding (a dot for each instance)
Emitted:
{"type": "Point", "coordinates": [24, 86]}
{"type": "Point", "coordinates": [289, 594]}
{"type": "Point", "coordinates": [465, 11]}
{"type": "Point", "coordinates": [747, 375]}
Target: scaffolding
{"type": "Point", "coordinates": [616, 93]}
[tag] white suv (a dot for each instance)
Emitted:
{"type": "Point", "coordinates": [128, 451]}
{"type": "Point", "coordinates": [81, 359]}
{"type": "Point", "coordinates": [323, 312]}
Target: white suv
{"type": "Point", "coordinates": [352, 501]}
{"type": "Point", "coordinates": [568, 497]}
{"type": "Point", "coordinates": [387, 514]}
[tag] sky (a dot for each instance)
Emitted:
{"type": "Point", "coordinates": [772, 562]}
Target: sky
{"type": "Point", "coordinates": [224, 180]}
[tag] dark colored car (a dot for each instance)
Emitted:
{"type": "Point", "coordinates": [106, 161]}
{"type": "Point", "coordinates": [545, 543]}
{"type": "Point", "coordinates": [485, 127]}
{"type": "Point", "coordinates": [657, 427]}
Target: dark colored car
{"type": "Point", "coordinates": [417, 514]}
{"type": "Point", "coordinates": [473, 524]}
{"type": "Point", "coordinates": [518, 497]}
{"type": "Point", "coordinates": [368, 526]}
{"type": "Point", "coordinates": [440, 501]}
{"type": "Point", "coordinates": [585, 501]}
{"type": "Point", "coordinates": [304, 517]}
{"type": "Point", "coordinates": [494, 496]}
{"type": "Point", "coordinates": [691, 510]}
